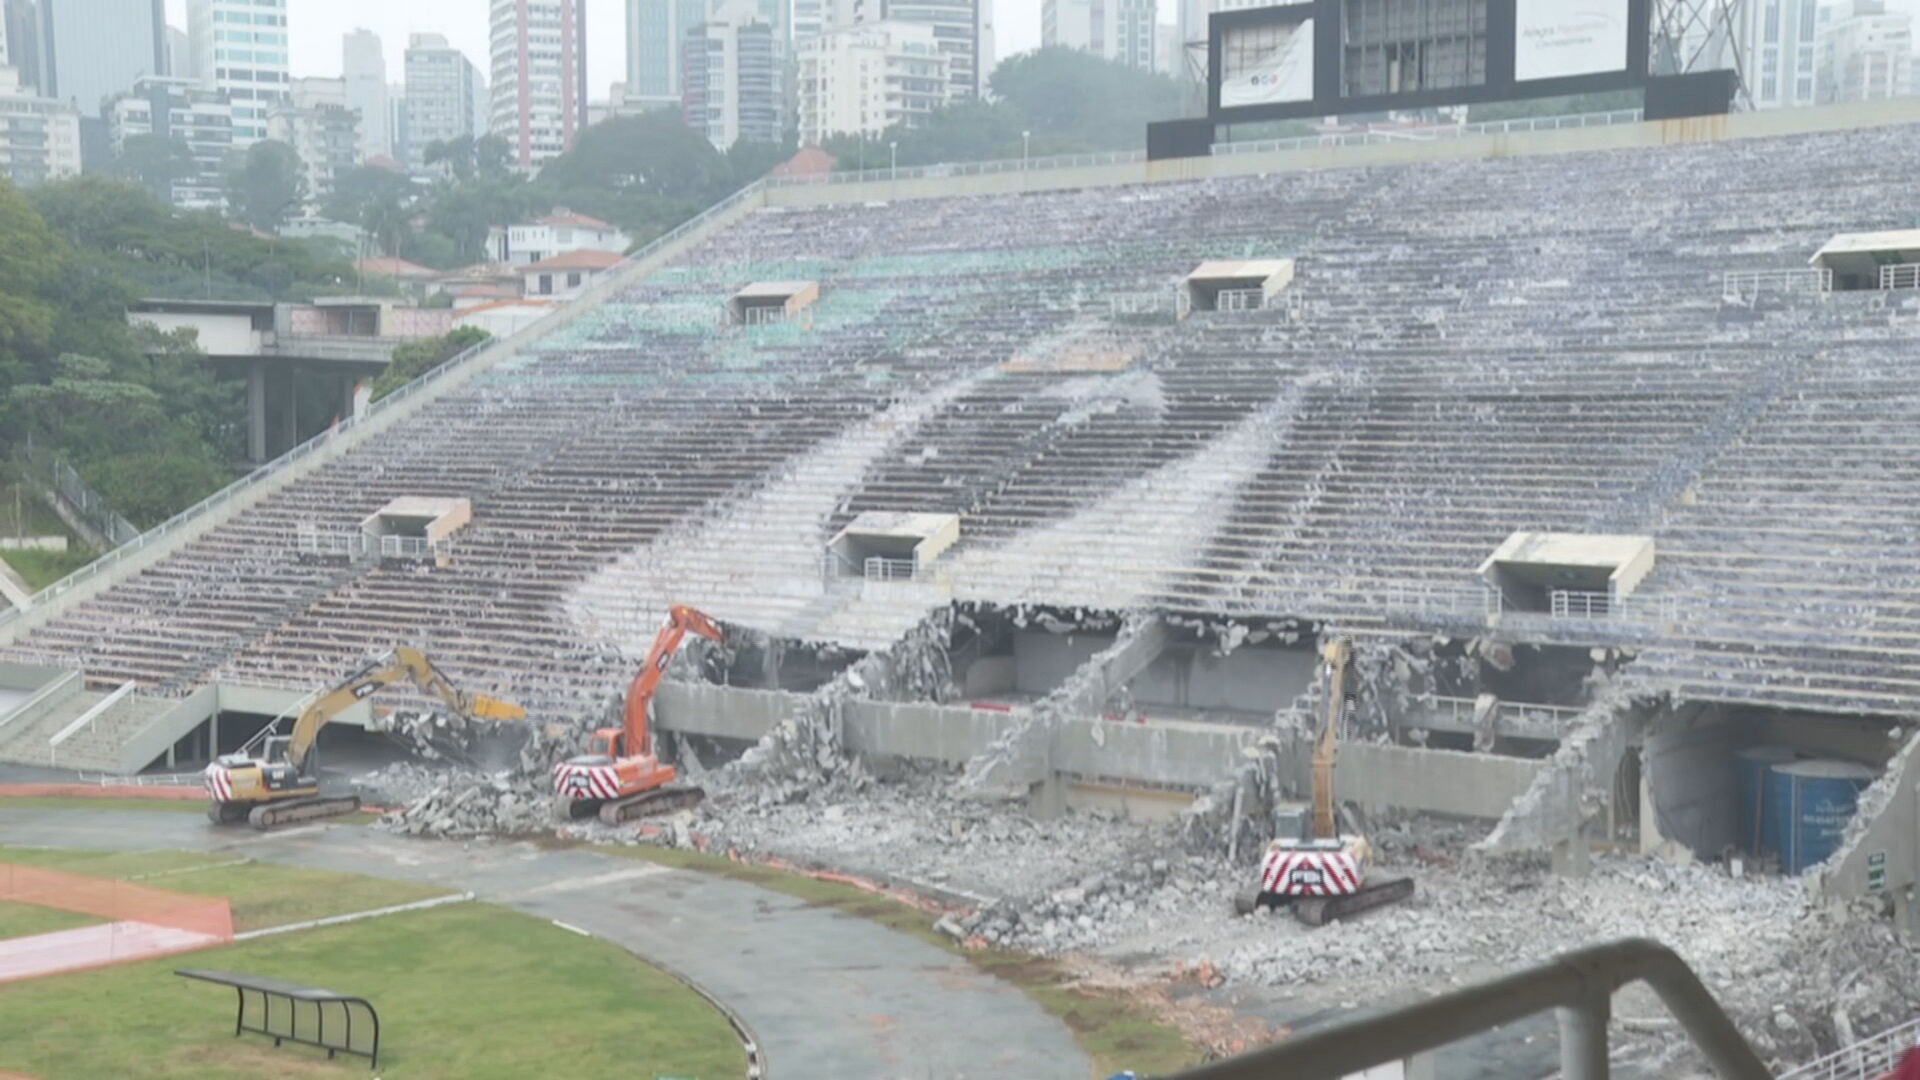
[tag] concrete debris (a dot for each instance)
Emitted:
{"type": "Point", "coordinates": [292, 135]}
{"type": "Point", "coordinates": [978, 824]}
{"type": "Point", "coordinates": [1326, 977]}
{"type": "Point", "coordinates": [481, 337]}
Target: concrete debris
{"type": "Point", "coordinates": [445, 736]}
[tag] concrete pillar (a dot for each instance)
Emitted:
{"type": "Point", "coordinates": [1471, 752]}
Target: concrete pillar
{"type": "Point", "coordinates": [292, 409]}
{"type": "Point", "coordinates": [1418, 1067]}
{"type": "Point", "coordinates": [257, 410]}
{"type": "Point", "coordinates": [1570, 855]}
{"type": "Point", "coordinates": [1047, 799]}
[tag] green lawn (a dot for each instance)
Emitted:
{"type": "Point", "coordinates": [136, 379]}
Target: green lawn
{"type": "Point", "coordinates": [263, 895]}
{"type": "Point", "coordinates": [23, 920]}
{"type": "Point", "coordinates": [43, 568]}
{"type": "Point", "coordinates": [467, 992]}
{"type": "Point", "coordinates": [1118, 1034]}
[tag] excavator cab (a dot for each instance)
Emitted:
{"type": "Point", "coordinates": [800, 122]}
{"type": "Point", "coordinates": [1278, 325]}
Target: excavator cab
{"type": "Point", "coordinates": [606, 743]}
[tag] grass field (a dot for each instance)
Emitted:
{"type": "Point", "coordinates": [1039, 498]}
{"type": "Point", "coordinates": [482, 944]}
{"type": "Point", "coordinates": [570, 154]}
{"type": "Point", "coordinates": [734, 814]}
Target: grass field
{"type": "Point", "coordinates": [263, 895]}
{"type": "Point", "coordinates": [467, 992]}
{"type": "Point", "coordinates": [21, 920]}
{"type": "Point", "coordinates": [42, 568]}
{"type": "Point", "coordinates": [1117, 1033]}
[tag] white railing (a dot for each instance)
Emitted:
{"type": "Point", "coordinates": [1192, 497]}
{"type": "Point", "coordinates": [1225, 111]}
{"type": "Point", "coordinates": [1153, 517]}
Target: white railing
{"type": "Point", "coordinates": [1574, 604]}
{"type": "Point", "coordinates": [1429, 134]}
{"type": "Point", "coordinates": [1121, 305]}
{"type": "Point", "coordinates": [1869, 1059]}
{"type": "Point", "coordinates": [85, 720]}
{"type": "Point", "coordinates": [311, 541]}
{"type": "Point", "coordinates": [1742, 285]}
{"type": "Point", "coordinates": [880, 569]}
{"type": "Point", "coordinates": [520, 337]}
{"type": "Point", "coordinates": [140, 779]}
{"type": "Point", "coordinates": [68, 485]}
{"type": "Point", "coordinates": [888, 174]}
{"type": "Point", "coordinates": [1900, 276]}
{"type": "Point", "coordinates": [413, 547]}
{"type": "Point", "coordinates": [1459, 712]}
{"type": "Point", "coordinates": [1240, 300]}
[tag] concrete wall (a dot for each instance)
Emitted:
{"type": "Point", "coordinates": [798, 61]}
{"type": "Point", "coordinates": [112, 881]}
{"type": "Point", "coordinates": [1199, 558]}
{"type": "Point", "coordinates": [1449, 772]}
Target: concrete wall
{"type": "Point", "coordinates": [220, 335]}
{"type": "Point", "coordinates": [1043, 660]}
{"type": "Point", "coordinates": [1751, 125]}
{"type": "Point", "coordinates": [28, 677]}
{"type": "Point", "coordinates": [1101, 753]}
{"type": "Point", "coordinates": [1688, 770]}
{"type": "Point", "coordinates": [1886, 838]}
{"type": "Point", "coordinates": [1251, 679]}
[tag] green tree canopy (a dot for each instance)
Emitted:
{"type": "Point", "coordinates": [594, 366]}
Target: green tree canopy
{"type": "Point", "coordinates": [154, 162]}
{"type": "Point", "coordinates": [266, 189]}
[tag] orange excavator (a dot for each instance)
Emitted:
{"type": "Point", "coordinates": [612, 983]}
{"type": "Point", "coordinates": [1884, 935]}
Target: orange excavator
{"type": "Point", "coordinates": [620, 776]}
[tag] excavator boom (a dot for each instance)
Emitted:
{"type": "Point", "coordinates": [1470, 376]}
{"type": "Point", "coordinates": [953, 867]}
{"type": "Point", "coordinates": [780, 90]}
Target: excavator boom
{"type": "Point", "coordinates": [681, 621]}
{"type": "Point", "coordinates": [1333, 698]}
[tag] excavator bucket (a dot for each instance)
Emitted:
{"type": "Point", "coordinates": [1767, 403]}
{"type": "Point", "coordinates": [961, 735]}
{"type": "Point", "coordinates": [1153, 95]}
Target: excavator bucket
{"type": "Point", "coordinates": [487, 708]}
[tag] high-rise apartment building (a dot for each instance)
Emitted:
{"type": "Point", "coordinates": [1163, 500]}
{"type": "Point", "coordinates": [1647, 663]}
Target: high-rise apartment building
{"type": "Point", "coordinates": [22, 19]}
{"type": "Point", "coordinates": [1782, 63]}
{"type": "Point", "coordinates": [963, 28]}
{"type": "Point", "coordinates": [398, 145]}
{"type": "Point", "coordinates": [445, 96]}
{"type": "Point", "coordinates": [1121, 30]}
{"type": "Point", "coordinates": [1866, 53]}
{"type": "Point", "coordinates": [364, 66]}
{"type": "Point", "coordinates": [240, 48]}
{"type": "Point", "coordinates": [656, 41]}
{"type": "Point", "coordinates": [862, 80]}
{"type": "Point", "coordinates": [39, 137]}
{"type": "Point", "coordinates": [182, 110]}
{"type": "Point", "coordinates": [733, 77]}
{"type": "Point", "coordinates": [93, 50]}
{"type": "Point", "coordinates": [539, 54]}
{"type": "Point", "coordinates": [179, 55]}
{"type": "Point", "coordinates": [322, 129]}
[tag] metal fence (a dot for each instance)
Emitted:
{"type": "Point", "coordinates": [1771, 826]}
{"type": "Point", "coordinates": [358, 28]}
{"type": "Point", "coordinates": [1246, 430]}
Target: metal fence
{"type": "Point", "coordinates": [1430, 134]}
{"type": "Point", "coordinates": [1869, 1059]}
{"type": "Point", "coordinates": [1900, 276]}
{"type": "Point", "coordinates": [521, 337]}
{"type": "Point", "coordinates": [890, 174]}
{"type": "Point", "coordinates": [75, 492]}
{"type": "Point", "coordinates": [1742, 285]}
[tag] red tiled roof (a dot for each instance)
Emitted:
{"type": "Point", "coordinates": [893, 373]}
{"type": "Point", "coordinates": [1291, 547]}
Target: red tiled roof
{"type": "Point", "coordinates": [584, 259]}
{"type": "Point", "coordinates": [569, 217]}
{"type": "Point", "coordinates": [811, 161]}
{"type": "Point", "coordinates": [387, 266]}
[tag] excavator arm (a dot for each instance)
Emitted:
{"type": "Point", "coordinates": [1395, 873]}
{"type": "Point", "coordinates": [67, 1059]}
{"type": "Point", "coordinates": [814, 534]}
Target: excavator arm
{"type": "Point", "coordinates": [401, 665]}
{"type": "Point", "coordinates": [681, 621]}
{"type": "Point", "coordinates": [1333, 699]}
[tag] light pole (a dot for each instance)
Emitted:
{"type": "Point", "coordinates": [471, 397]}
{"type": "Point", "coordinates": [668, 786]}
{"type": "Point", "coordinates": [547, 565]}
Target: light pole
{"type": "Point", "coordinates": [893, 168]}
{"type": "Point", "coordinates": [1026, 155]}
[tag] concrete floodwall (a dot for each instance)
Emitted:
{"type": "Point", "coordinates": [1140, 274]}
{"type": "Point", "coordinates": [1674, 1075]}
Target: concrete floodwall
{"type": "Point", "coordinates": [1160, 754]}
{"type": "Point", "coordinates": [1880, 857]}
{"type": "Point", "coordinates": [1752, 125]}
{"type": "Point", "coordinates": [296, 464]}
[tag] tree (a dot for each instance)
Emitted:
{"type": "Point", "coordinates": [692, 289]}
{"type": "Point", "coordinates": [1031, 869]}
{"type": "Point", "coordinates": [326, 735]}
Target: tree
{"type": "Point", "coordinates": [379, 201]}
{"type": "Point", "coordinates": [455, 153]}
{"type": "Point", "coordinates": [652, 153]}
{"type": "Point", "coordinates": [492, 155]}
{"type": "Point", "coordinates": [416, 358]}
{"type": "Point", "coordinates": [30, 257]}
{"type": "Point", "coordinates": [268, 186]}
{"type": "Point", "coordinates": [1066, 92]}
{"type": "Point", "coordinates": [154, 162]}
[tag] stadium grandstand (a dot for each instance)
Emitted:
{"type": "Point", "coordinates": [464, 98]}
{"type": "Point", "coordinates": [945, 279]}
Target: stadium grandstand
{"type": "Point", "coordinates": [1346, 393]}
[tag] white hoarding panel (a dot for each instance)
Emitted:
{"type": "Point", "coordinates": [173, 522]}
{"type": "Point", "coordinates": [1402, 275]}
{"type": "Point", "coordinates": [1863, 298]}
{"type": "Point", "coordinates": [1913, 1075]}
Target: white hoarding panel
{"type": "Point", "coordinates": [1557, 38]}
{"type": "Point", "coordinates": [1267, 64]}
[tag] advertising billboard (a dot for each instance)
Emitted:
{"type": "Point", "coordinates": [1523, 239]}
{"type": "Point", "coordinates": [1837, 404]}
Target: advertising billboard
{"type": "Point", "coordinates": [1267, 63]}
{"type": "Point", "coordinates": [1557, 39]}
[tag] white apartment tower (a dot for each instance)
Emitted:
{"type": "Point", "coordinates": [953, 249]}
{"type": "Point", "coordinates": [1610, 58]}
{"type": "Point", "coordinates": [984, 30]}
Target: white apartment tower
{"type": "Point", "coordinates": [39, 137]}
{"type": "Point", "coordinates": [1782, 53]}
{"type": "Point", "coordinates": [240, 48]}
{"type": "Point", "coordinates": [539, 57]}
{"type": "Point", "coordinates": [183, 110]}
{"type": "Point", "coordinates": [1121, 30]}
{"type": "Point", "coordinates": [364, 66]}
{"type": "Point", "coordinates": [733, 78]}
{"type": "Point", "coordinates": [445, 98]}
{"type": "Point", "coordinates": [1866, 53]}
{"type": "Point", "coordinates": [861, 80]}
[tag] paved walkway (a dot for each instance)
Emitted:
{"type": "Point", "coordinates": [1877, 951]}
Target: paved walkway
{"type": "Point", "coordinates": [828, 995]}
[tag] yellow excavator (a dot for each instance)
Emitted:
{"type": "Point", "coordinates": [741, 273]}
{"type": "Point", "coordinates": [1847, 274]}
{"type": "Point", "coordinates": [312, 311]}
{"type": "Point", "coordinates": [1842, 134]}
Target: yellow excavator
{"type": "Point", "coordinates": [271, 780]}
{"type": "Point", "coordinates": [1326, 876]}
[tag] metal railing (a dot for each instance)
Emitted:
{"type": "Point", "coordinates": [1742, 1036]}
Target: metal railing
{"type": "Point", "coordinates": [86, 720]}
{"type": "Point", "coordinates": [1869, 1059]}
{"type": "Point", "coordinates": [1240, 300]}
{"type": "Point", "coordinates": [520, 337]}
{"type": "Point", "coordinates": [1900, 276]}
{"type": "Point", "coordinates": [1459, 712]}
{"type": "Point", "coordinates": [1578, 986]}
{"type": "Point", "coordinates": [413, 547]}
{"type": "Point", "coordinates": [1743, 285]}
{"type": "Point", "coordinates": [1577, 604]}
{"type": "Point", "coordinates": [43, 699]}
{"type": "Point", "coordinates": [192, 779]}
{"type": "Point", "coordinates": [876, 568]}
{"type": "Point", "coordinates": [77, 493]}
{"type": "Point", "coordinates": [1431, 134]}
{"type": "Point", "coordinates": [888, 174]}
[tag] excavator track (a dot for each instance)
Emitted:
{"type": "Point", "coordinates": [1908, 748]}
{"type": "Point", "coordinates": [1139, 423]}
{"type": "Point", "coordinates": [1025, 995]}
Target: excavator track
{"type": "Point", "coordinates": [1321, 910]}
{"type": "Point", "coordinates": [653, 803]}
{"type": "Point", "coordinates": [294, 811]}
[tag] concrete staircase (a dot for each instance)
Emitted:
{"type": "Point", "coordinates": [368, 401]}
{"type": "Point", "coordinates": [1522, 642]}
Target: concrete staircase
{"type": "Point", "coordinates": [98, 745]}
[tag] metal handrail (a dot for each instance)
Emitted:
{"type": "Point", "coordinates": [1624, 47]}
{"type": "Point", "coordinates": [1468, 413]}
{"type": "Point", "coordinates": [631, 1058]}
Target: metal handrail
{"type": "Point", "coordinates": [1900, 276]}
{"type": "Point", "coordinates": [1456, 131]}
{"type": "Point", "coordinates": [1579, 985]}
{"type": "Point", "coordinates": [1871, 1057]}
{"type": "Point", "coordinates": [530, 332]}
{"type": "Point", "coordinates": [888, 174]}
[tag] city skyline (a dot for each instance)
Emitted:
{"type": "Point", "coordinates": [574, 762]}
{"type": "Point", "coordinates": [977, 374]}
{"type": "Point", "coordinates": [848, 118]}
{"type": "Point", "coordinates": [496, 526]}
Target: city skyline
{"type": "Point", "coordinates": [316, 29]}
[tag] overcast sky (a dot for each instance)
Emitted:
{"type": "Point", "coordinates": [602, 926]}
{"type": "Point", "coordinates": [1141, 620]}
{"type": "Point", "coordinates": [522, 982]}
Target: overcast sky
{"type": "Point", "coordinates": [315, 27]}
